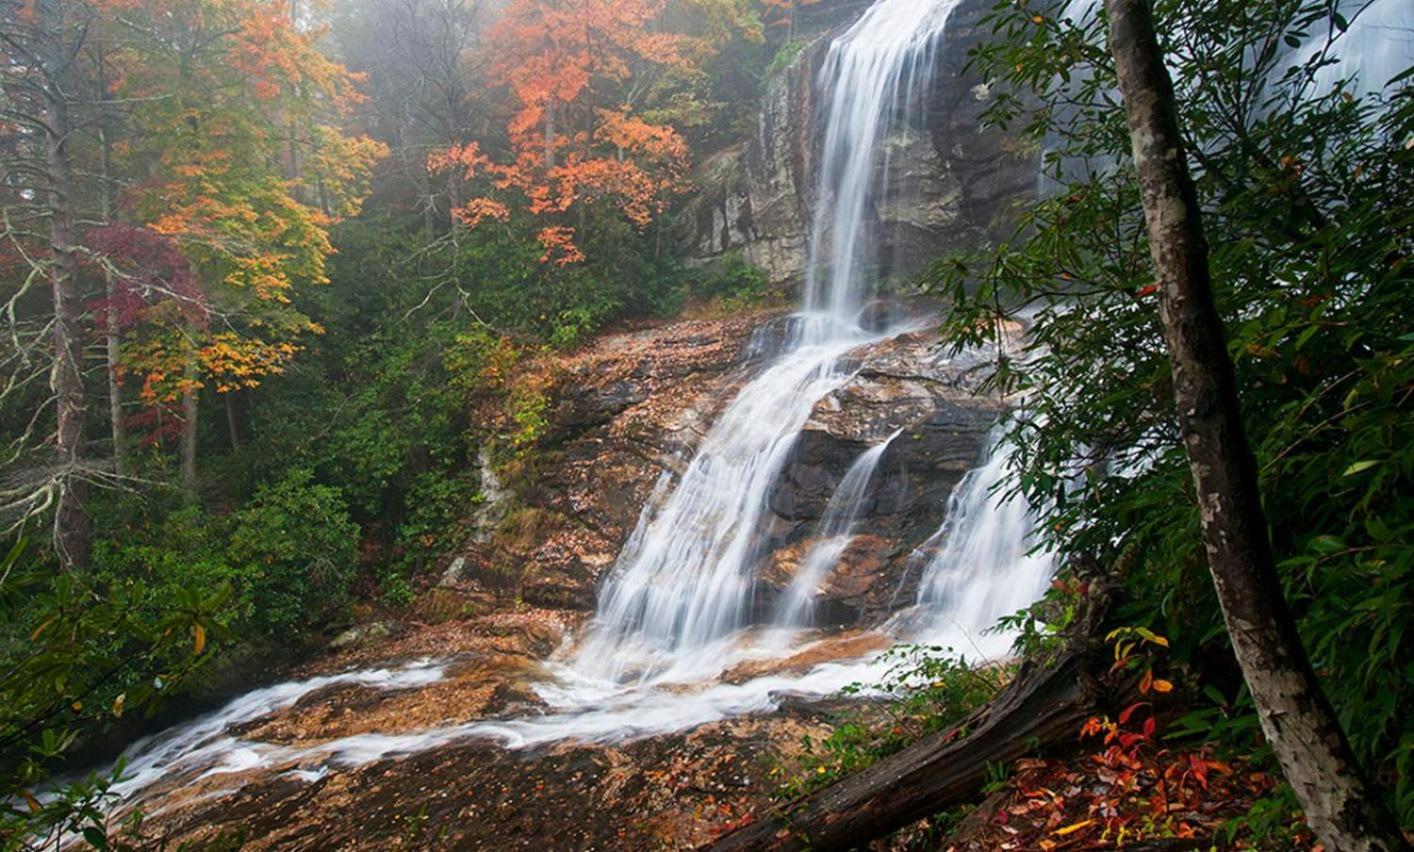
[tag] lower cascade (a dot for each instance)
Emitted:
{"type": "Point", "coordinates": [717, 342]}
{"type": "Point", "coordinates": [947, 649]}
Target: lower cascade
{"type": "Point", "coordinates": [833, 535]}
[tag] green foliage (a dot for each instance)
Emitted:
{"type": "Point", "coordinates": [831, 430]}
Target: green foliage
{"type": "Point", "coordinates": [927, 689]}
{"type": "Point", "coordinates": [1306, 201]}
{"type": "Point", "coordinates": [299, 548]}
{"type": "Point", "coordinates": [285, 562]}
{"type": "Point", "coordinates": [1040, 628]}
{"type": "Point", "coordinates": [785, 55]}
{"type": "Point", "coordinates": [730, 285]}
{"type": "Point", "coordinates": [438, 506]}
{"type": "Point", "coordinates": [76, 653]}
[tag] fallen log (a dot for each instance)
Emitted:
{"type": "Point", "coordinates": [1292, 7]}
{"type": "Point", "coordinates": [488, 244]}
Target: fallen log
{"type": "Point", "coordinates": [1041, 707]}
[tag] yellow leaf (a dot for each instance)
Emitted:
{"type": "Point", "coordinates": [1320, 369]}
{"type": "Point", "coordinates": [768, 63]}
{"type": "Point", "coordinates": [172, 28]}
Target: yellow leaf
{"type": "Point", "coordinates": [1071, 829]}
{"type": "Point", "coordinates": [34, 805]}
{"type": "Point", "coordinates": [39, 631]}
{"type": "Point", "coordinates": [1162, 685]}
{"type": "Point", "coordinates": [199, 633]}
{"type": "Point", "coordinates": [118, 705]}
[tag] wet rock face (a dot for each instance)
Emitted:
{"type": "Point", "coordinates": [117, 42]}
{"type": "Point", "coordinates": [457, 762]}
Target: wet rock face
{"type": "Point", "coordinates": [949, 185]}
{"type": "Point", "coordinates": [905, 387]}
{"type": "Point", "coordinates": [674, 792]}
{"type": "Point", "coordinates": [628, 415]}
{"type": "Point", "coordinates": [625, 412]}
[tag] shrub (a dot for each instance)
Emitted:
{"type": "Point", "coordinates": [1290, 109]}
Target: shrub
{"type": "Point", "coordinates": [297, 550]}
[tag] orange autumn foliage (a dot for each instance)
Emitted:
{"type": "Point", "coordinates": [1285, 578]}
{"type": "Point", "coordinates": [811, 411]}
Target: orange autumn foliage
{"type": "Point", "coordinates": [561, 61]}
{"type": "Point", "coordinates": [234, 119]}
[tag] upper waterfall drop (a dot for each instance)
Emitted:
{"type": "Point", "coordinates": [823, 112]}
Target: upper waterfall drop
{"type": "Point", "coordinates": [877, 77]}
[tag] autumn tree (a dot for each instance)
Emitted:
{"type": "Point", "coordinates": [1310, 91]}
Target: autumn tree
{"type": "Point", "coordinates": [578, 73]}
{"type": "Point", "coordinates": [216, 88]}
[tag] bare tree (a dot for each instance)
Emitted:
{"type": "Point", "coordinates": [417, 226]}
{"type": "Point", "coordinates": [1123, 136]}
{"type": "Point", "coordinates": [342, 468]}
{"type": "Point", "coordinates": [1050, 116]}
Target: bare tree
{"type": "Point", "coordinates": [420, 88]}
{"type": "Point", "coordinates": [1340, 803]}
{"type": "Point", "coordinates": [40, 54]}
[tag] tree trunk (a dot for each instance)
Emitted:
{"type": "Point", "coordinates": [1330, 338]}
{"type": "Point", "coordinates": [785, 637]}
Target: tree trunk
{"type": "Point", "coordinates": [232, 421]}
{"type": "Point", "coordinates": [190, 410]}
{"type": "Point", "coordinates": [111, 335]}
{"type": "Point", "coordinates": [1042, 707]}
{"type": "Point", "coordinates": [550, 134]}
{"type": "Point", "coordinates": [71, 526]}
{"type": "Point", "coordinates": [1341, 806]}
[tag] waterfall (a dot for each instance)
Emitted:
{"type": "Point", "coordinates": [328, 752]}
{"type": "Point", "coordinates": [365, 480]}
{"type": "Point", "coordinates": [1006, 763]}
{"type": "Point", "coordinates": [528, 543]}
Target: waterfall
{"type": "Point", "coordinates": [877, 75]}
{"type": "Point", "coordinates": [1377, 46]}
{"type": "Point", "coordinates": [832, 535]}
{"type": "Point", "coordinates": [674, 606]}
{"type": "Point", "coordinates": [986, 565]}
{"type": "Point", "coordinates": [688, 578]}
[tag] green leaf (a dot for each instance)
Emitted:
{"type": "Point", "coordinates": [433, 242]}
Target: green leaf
{"type": "Point", "coordinates": [1328, 544]}
{"type": "Point", "coordinates": [1360, 467]}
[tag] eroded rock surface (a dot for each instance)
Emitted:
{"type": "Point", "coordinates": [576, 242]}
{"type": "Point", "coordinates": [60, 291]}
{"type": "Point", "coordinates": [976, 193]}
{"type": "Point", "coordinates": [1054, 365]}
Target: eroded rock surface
{"type": "Point", "coordinates": [626, 413]}
{"type": "Point", "coordinates": [673, 792]}
{"type": "Point", "coordinates": [629, 411]}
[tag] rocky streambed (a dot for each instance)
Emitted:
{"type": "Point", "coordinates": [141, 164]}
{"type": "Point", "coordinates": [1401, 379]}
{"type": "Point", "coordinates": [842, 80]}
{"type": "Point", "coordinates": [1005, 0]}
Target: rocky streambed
{"type": "Point", "coordinates": [442, 729]}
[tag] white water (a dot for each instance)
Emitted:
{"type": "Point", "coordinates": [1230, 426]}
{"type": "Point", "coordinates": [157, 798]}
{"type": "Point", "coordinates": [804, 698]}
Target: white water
{"type": "Point", "coordinates": [673, 615]}
{"type": "Point", "coordinates": [832, 535]}
{"type": "Point", "coordinates": [206, 746]}
{"type": "Point", "coordinates": [987, 564]}
{"type": "Point", "coordinates": [687, 581]}
{"type": "Point", "coordinates": [1377, 46]}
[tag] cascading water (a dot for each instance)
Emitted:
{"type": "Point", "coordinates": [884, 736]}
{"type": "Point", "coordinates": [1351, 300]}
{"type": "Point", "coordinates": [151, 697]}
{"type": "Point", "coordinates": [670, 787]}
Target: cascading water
{"type": "Point", "coordinates": [688, 580]}
{"type": "Point", "coordinates": [675, 606]}
{"type": "Point", "coordinates": [986, 565]}
{"type": "Point", "coordinates": [832, 537]}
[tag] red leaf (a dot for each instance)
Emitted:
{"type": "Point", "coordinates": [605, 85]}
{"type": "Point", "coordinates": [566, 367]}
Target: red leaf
{"type": "Point", "coordinates": [1130, 710]}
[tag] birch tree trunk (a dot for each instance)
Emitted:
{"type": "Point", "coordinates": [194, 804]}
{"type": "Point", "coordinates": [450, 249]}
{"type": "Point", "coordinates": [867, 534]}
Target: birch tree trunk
{"type": "Point", "coordinates": [1341, 805]}
{"type": "Point", "coordinates": [112, 339]}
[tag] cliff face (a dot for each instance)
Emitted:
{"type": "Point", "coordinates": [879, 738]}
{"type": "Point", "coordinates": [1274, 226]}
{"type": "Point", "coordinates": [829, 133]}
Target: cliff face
{"type": "Point", "coordinates": [950, 185]}
{"type": "Point", "coordinates": [628, 412]}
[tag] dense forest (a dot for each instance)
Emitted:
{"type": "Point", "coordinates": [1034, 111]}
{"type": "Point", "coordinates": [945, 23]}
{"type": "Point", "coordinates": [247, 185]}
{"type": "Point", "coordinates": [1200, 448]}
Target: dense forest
{"type": "Point", "coordinates": [760, 423]}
